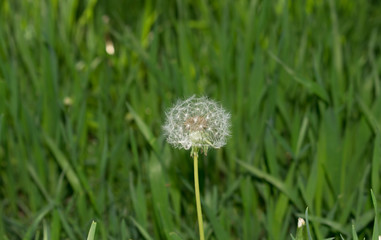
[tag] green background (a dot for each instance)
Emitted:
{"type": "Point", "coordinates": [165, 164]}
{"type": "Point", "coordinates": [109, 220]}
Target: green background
{"type": "Point", "coordinates": [81, 128]}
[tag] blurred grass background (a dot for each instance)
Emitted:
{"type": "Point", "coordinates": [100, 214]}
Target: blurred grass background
{"type": "Point", "coordinates": [84, 86]}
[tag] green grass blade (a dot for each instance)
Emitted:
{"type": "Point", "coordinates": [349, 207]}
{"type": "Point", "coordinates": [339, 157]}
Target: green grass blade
{"type": "Point", "coordinates": [64, 163]}
{"type": "Point", "coordinates": [331, 224]}
{"type": "Point", "coordinates": [372, 119]}
{"type": "Point", "coordinates": [307, 223]}
{"type": "Point", "coordinates": [160, 195]}
{"type": "Point", "coordinates": [40, 216]}
{"type": "Point", "coordinates": [273, 181]}
{"type": "Point", "coordinates": [354, 234]}
{"type": "Point", "coordinates": [308, 84]}
{"type": "Point", "coordinates": [142, 231]}
{"type": "Point", "coordinates": [376, 165]}
{"type": "Point", "coordinates": [218, 229]}
{"type": "Point", "coordinates": [144, 129]}
{"type": "Point", "coordinates": [1, 125]}
{"type": "Point", "coordinates": [36, 179]}
{"type": "Point", "coordinates": [174, 236]}
{"type": "Point", "coordinates": [55, 225]}
{"type": "Point", "coordinates": [45, 231]}
{"type": "Point", "coordinates": [376, 218]}
{"type": "Point", "coordinates": [91, 234]}
{"type": "Point", "coordinates": [124, 230]}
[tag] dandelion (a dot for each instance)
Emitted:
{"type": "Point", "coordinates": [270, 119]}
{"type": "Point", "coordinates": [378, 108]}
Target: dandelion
{"type": "Point", "coordinates": [197, 123]}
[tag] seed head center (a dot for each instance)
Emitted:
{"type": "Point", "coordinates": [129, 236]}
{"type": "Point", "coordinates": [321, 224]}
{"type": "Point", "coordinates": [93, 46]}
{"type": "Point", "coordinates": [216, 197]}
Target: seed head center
{"type": "Point", "coordinates": [197, 123]}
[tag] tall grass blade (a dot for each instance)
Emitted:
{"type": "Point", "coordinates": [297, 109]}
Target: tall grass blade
{"type": "Point", "coordinates": [376, 225]}
{"type": "Point", "coordinates": [144, 129]}
{"type": "Point", "coordinates": [354, 234]}
{"type": "Point", "coordinates": [376, 161]}
{"type": "Point", "coordinates": [218, 229]}
{"type": "Point", "coordinates": [307, 223]}
{"type": "Point", "coordinates": [40, 216]}
{"type": "Point", "coordinates": [174, 236]}
{"type": "Point", "coordinates": [142, 231]}
{"type": "Point", "coordinates": [273, 181]}
{"type": "Point", "coordinates": [64, 163]}
{"type": "Point", "coordinates": [91, 234]}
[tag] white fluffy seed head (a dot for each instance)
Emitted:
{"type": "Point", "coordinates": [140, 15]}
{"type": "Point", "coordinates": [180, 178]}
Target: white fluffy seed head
{"type": "Point", "coordinates": [197, 122]}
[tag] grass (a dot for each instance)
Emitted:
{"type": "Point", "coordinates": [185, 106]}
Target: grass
{"type": "Point", "coordinates": [80, 129]}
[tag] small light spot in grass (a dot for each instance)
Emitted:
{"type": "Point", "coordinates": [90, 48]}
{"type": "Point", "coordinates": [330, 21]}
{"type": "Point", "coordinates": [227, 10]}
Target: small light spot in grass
{"type": "Point", "coordinates": [110, 49]}
{"type": "Point", "coordinates": [301, 222]}
{"type": "Point", "coordinates": [68, 101]}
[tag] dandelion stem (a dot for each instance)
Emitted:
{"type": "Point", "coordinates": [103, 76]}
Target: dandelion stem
{"type": "Point", "coordinates": [197, 192]}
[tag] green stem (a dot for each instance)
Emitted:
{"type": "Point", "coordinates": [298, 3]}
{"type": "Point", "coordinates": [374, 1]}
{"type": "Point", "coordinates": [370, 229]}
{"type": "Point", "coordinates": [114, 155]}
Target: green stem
{"type": "Point", "coordinates": [197, 192]}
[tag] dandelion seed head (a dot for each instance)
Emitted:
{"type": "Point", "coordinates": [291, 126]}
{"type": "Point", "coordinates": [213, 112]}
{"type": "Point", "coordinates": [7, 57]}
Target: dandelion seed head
{"type": "Point", "coordinates": [197, 122]}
